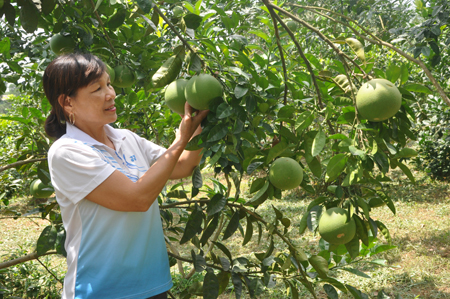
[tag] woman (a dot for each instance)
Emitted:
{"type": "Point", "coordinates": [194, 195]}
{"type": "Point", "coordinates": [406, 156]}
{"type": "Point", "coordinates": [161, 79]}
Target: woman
{"type": "Point", "coordinates": [106, 182]}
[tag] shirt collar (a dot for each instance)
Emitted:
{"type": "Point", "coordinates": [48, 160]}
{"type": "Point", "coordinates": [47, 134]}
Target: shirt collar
{"type": "Point", "coordinates": [115, 136]}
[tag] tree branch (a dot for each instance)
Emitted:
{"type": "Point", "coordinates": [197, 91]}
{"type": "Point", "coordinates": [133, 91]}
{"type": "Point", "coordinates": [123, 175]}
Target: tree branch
{"type": "Point", "coordinates": [104, 29]}
{"type": "Point", "coordinates": [19, 163]}
{"type": "Point", "coordinates": [378, 41]}
{"type": "Point", "coordinates": [23, 259]}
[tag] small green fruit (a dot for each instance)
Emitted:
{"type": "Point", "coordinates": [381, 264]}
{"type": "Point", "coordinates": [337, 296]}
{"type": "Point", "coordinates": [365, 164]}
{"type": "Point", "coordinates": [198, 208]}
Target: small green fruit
{"type": "Point", "coordinates": [124, 76]}
{"type": "Point", "coordinates": [285, 173]}
{"type": "Point", "coordinates": [378, 100]}
{"type": "Point", "coordinates": [335, 227]}
{"type": "Point", "coordinates": [174, 95]}
{"type": "Point", "coordinates": [39, 190]}
{"type": "Point", "coordinates": [292, 25]}
{"type": "Point", "coordinates": [60, 44]}
{"type": "Point", "coordinates": [201, 90]}
{"type": "Point", "coordinates": [177, 11]}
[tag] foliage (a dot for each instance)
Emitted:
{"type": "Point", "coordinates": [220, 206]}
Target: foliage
{"type": "Point", "coordinates": [286, 94]}
{"type": "Point", "coordinates": [433, 139]}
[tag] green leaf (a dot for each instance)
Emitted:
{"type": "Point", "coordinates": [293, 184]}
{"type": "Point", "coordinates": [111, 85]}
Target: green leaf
{"type": "Point", "coordinates": [232, 226]}
{"type": "Point", "coordinates": [224, 279]}
{"type": "Point", "coordinates": [240, 91]}
{"type": "Point", "coordinates": [387, 200]}
{"type": "Point", "coordinates": [210, 285]}
{"type": "Point", "coordinates": [248, 232]}
{"type": "Point", "coordinates": [405, 73]}
{"type": "Point", "coordinates": [29, 16]}
{"type": "Point", "coordinates": [207, 233]}
{"type": "Point", "coordinates": [193, 225]}
{"type": "Point", "coordinates": [5, 45]}
{"type": "Point", "coordinates": [145, 5]}
{"type": "Point", "coordinates": [320, 265]}
{"type": "Point", "coordinates": [261, 34]}
{"type": "Point", "coordinates": [315, 167]}
{"type": "Point", "coordinates": [384, 230]}
{"type": "Point", "coordinates": [318, 143]}
{"type": "Point", "coordinates": [361, 230]}
{"type": "Point", "coordinates": [407, 172]}
{"type": "Point", "coordinates": [217, 203]}
{"type": "Point", "coordinates": [356, 272]}
{"type": "Point", "coordinates": [237, 283]}
{"type": "Point", "coordinates": [192, 21]}
{"type": "Point", "coordinates": [117, 19]}
{"type": "Point", "coordinates": [197, 180]}
{"type": "Point", "coordinates": [416, 87]}
{"type": "Point", "coordinates": [331, 291]}
{"type": "Point", "coordinates": [217, 133]}
{"type": "Point", "coordinates": [47, 6]}
{"type": "Point", "coordinates": [393, 72]}
{"type": "Point", "coordinates": [356, 293]}
{"type": "Point", "coordinates": [260, 196]}
{"type": "Point", "coordinates": [336, 166]}
{"type": "Point", "coordinates": [198, 261]}
{"type": "Point", "coordinates": [353, 247]}
{"type": "Point", "coordinates": [276, 150]}
{"type": "Point", "coordinates": [46, 240]}
{"type": "Point", "coordinates": [60, 241]}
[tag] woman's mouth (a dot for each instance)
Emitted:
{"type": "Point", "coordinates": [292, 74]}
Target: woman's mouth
{"type": "Point", "coordinates": [112, 108]}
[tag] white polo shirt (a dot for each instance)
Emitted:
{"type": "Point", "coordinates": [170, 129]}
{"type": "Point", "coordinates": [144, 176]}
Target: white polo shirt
{"type": "Point", "coordinates": [110, 254]}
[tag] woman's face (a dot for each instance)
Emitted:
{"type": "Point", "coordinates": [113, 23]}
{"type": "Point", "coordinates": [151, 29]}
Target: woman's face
{"type": "Point", "coordinates": [93, 105]}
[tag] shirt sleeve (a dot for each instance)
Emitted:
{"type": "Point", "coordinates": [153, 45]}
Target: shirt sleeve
{"type": "Point", "coordinates": [76, 170]}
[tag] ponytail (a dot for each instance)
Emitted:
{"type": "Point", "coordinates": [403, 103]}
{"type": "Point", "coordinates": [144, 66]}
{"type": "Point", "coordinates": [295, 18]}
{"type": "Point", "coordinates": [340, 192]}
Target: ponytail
{"type": "Point", "coordinates": [54, 126]}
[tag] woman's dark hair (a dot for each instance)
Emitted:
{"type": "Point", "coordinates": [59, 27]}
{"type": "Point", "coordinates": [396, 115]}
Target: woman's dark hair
{"type": "Point", "coordinates": [64, 76]}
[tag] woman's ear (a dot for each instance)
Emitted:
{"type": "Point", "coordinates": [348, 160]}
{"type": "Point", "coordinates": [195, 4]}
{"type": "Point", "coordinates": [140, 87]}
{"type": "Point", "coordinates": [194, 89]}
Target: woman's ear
{"type": "Point", "coordinates": [65, 103]}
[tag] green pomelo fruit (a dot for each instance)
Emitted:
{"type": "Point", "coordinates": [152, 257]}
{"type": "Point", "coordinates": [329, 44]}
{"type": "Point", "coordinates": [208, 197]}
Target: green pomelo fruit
{"type": "Point", "coordinates": [37, 189]}
{"type": "Point", "coordinates": [62, 44]}
{"type": "Point", "coordinates": [263, 107]}
{"type": "Point", "coordinates": [378, 100]}
{"type": "Point", "coordinates": [111, 72]}
{"type": "Point", "coordinates": [124, 76]}
{"type": "Point", "coordinates": [177, 11]}
{"type": "Point", "coordinates": [292, 25]}
{"type": "Point", "coordinates": [335, 228]}
{"type": "Point", "coordinates": [201, 90]}
{"type": "Point", "coordinates": [285, 173]}
{"type": "Point", "coordinates": [174, 95]}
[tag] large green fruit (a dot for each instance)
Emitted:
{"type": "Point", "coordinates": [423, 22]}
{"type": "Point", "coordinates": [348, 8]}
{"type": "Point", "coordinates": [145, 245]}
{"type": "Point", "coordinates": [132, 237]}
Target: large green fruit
{"type": "Point", "coordinates": [111, 72]}
{"type": "Point", "coordinates": [174, 95]}
{"type": "Point", "coordinates": [62, 44]}
{"type": "Point", "coordinates": [201, 90]}
{"type": "Point", "coordinates": [37, 189]}
{"type": "Point", "coordinates": [125, 77]}
{"type": "Point", "coordinates": [378, 100]}
{"type": "Point", "coordinates": [285, 173]}
{"type": "Point", "coordinates": [335, 227]}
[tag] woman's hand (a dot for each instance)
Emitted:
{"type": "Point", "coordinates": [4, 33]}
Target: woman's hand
{"type": "Point", "coordinates": [190, 124]}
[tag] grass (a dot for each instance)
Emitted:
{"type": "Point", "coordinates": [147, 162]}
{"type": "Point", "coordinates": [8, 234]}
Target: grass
{"type": "Point", "coordinates": [418, 268]}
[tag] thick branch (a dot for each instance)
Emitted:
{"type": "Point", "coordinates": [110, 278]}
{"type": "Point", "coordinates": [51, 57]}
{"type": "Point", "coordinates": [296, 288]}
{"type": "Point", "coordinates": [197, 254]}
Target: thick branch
{"type": "Point", "coordinates": [308, 65]}
{"type": "Point", "coordinates": [320, 34]}
{"type": "Point", "coordinates": [23, 259]}
{"type": "Point", "coordinates": [19, 163]}
{"type": "Point", "coordinates": [280, 49]}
